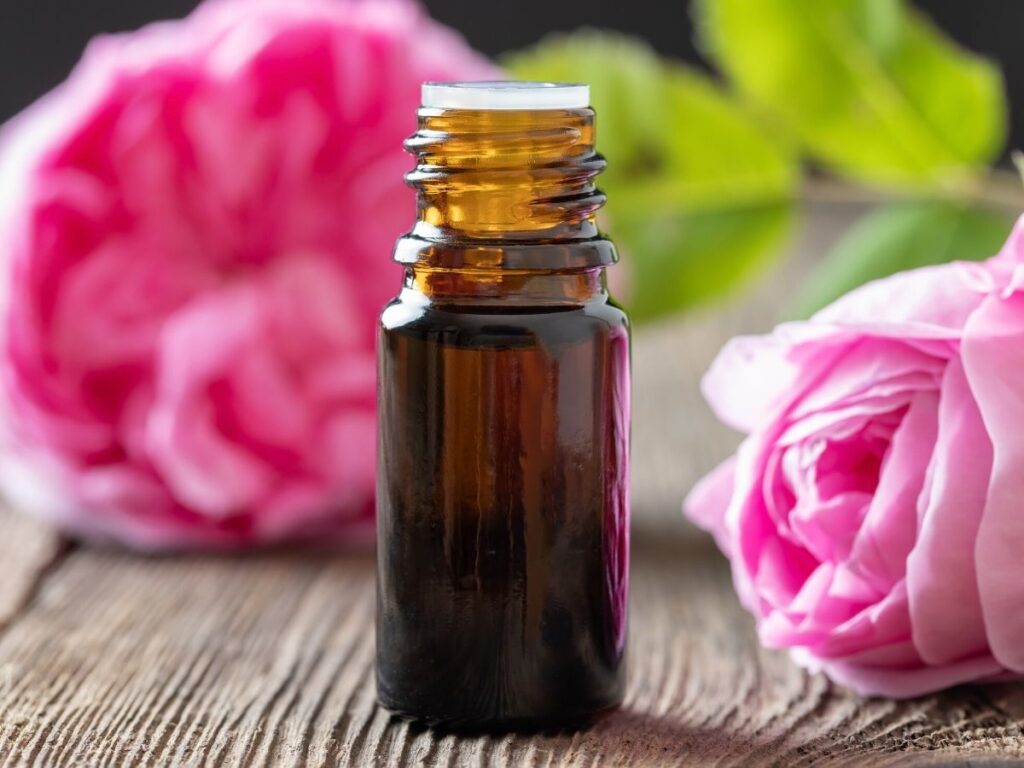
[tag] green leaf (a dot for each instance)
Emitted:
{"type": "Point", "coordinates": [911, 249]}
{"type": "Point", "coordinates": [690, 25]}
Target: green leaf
{"type": "Point", "coordinates": [698, 196]}
{"type": "Point", "coordinates": [871, 88]}
{"type": "Point", "coordinates": [900, 237]}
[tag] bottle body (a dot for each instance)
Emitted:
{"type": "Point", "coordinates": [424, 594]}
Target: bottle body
{"type": "Point", "coordinates": [503, 512]}
{"type": "Point", "coordinates": [503, 450]}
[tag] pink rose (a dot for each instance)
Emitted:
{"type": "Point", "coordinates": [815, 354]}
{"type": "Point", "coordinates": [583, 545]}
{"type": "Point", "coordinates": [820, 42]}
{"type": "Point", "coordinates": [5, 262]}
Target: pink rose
{"type": "Point", "coordinates": [198, 228]}
{"type": "Point", "coordinates": [874, 515]}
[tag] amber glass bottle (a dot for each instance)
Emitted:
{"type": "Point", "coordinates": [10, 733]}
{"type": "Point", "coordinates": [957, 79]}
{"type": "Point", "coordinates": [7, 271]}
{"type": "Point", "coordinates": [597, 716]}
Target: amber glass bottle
{"type": "Point", "coordinates": [503, 509]}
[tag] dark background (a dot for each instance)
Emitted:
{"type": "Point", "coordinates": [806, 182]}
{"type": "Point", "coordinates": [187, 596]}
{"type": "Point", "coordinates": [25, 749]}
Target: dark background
{"type": "Point", "coordinates": [41, 39]}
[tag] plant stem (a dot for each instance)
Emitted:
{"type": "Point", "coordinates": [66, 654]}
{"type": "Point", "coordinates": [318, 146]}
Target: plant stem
{"type": "Point", "coordinates": [998, 189]}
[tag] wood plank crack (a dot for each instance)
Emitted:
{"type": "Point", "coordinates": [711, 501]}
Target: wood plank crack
{"type": "Point", "coordinates": [31, 551]}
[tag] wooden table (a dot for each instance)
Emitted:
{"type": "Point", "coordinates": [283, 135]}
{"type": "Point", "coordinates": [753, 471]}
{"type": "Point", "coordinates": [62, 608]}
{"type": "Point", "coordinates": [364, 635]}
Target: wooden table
{"type": "Point", "coordinates": [111, 658]}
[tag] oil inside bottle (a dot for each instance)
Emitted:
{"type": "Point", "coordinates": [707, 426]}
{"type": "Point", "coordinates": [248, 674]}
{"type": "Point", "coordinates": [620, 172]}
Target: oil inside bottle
{"type": "Point", "coordinates": [503, 565]}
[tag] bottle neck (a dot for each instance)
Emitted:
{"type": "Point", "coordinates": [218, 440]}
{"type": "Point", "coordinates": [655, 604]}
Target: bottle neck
{"type": "Point", "coordinates": [505, 190]}
{"type": "Point", "coordinates": [523, 287]}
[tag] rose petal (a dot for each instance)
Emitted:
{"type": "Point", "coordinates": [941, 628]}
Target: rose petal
{"type": "Point", "coordinates": [901, 683]}
{"type": "Point", "coordinates": [945, 607]}
{"type": "Point", "coordinates": [206, 469]}
{"type": "Point", "coordinates": [993, 351]}
{"type": "Point", "coordinates": [777, 362]}
{"type": "Point", "coordinates": [926, 303]}
{"type": "Point", "coordinates": [890, 527]}
{"type": "Point", "coordinates": [883, 623]}
{"type": "Point", "coordinates": [870, 370]}
{"type": "Point", "coordinates": [707, 502]}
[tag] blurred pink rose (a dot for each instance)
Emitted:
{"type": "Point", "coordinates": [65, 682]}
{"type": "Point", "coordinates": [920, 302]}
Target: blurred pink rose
{"type": "Point", "coordinates": [874, 513]}
{"type": "Point", "coordinates": [198, 228]}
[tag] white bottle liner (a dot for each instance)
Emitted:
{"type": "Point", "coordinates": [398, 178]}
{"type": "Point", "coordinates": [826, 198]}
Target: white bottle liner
{"type": "Point", "coordinates": [505, 94]}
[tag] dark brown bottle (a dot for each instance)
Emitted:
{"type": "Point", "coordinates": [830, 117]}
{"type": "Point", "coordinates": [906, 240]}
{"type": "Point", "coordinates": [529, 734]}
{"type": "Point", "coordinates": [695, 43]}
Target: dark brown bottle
{"type": "Point", "coordinates": [503, 522]}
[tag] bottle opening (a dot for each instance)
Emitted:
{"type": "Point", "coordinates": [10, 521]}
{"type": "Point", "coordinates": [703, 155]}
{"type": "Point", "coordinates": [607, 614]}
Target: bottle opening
{"type": "Point", "coordinates": [505, 94]}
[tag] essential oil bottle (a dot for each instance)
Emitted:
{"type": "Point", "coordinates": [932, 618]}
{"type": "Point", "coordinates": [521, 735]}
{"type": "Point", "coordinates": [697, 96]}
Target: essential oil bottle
{"type": "Point", "coordinates": [504, 408]}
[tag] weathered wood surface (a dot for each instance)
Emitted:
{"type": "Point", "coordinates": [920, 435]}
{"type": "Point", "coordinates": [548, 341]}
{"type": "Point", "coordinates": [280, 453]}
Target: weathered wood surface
{"type": "Point", "coordinates": [107, 658]}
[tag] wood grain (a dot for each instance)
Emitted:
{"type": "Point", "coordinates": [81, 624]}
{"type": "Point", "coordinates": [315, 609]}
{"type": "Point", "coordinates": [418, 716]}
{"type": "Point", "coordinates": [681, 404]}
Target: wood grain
{"type": "Point", "coordinates": [107, 658]}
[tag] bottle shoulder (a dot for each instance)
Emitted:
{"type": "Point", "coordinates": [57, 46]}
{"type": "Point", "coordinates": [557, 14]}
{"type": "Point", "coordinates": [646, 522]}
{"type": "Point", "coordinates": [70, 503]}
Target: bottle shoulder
{"type": "Point", "coordinates": [402, 311]}
{"type": "Point", "coordinates": [500, 324]}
